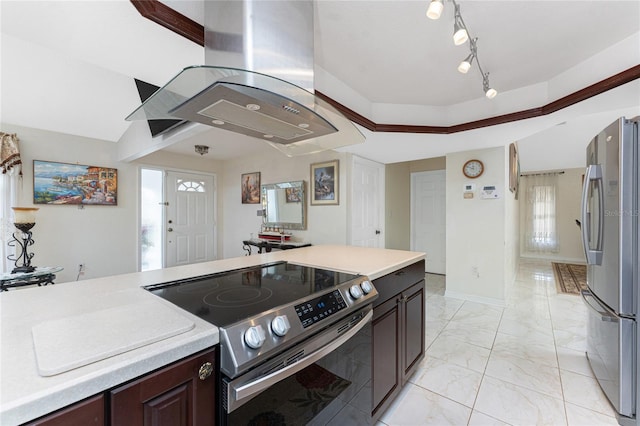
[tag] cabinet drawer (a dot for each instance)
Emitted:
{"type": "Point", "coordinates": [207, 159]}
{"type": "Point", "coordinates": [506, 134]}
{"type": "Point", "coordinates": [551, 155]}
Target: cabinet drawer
{"type": "Point", "coordinates": [89, 412]}
{"type": "Point", "coordinates": [398, 281]}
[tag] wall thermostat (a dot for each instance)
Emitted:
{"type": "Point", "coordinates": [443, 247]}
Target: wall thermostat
{"type": "Point", "coordinates": [489, 192]}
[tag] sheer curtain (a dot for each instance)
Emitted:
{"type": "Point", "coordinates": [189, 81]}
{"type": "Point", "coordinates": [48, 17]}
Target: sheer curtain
{"type": "Point", "coordinates": [10, 178]}
{"type": "Point", "coordinates": [541, 234]}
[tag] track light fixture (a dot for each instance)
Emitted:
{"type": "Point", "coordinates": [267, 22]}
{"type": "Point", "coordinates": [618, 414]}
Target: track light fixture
{"type": "Point", "coordinates": [466, 64]}
{"type": "Point", "coordinates": [488, 91]}
{"type": "Point", "coordinates": [435, 9]}
{"type": "Point", "coordinates": [461, 36]}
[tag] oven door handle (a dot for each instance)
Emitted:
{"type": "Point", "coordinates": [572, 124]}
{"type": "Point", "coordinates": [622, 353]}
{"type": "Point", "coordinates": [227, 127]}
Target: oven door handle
{"type": "Point", "coordinates": [251, 388]}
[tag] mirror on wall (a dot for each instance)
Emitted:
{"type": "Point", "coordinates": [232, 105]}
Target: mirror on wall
{"type": "Point", "coordinates": [284, 205]}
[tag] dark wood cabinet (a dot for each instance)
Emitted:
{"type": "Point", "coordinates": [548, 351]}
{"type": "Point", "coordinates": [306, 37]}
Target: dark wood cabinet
{"type": "Point", "coordinates": [398, 329]}
{"type": "Point", "coordinates": [182, 394]}
{"type": "Point", "coordinates": [89, 412]}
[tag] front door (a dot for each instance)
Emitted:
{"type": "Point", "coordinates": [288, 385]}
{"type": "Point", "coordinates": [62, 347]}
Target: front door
{"type": "Point", "coordinates": [428, 209]}
{"type": "Point", "coordinates": [190, 223]}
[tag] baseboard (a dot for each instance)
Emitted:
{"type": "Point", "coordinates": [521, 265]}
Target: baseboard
{"type": "Point", "coordinates": [473, 298]}
{"type": "Point", "coordinates": [579, 261]}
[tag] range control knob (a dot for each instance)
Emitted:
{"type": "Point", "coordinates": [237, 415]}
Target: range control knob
{"type": "Point", "coordinates": [280, 325]}
{"type": "Point", "coordinates": [366, 287]}
{"type": "Point", "coordinates": [254, 337]}
{"type": "Point", "coordinates": [355, 291]}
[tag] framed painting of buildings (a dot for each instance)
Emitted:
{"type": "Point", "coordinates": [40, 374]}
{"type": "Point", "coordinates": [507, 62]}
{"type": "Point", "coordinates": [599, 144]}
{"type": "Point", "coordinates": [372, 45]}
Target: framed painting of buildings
{"type": "Point", "coordinates": [65, 183]}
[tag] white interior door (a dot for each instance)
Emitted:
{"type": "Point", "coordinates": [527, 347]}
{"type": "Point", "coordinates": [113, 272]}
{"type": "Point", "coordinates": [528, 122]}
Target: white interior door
{"type": "Point", "coordinates": [367, 203]}
{"type": "Point", "coordinates": [190, 223]}
{"type": "Point", "coordinates": [428, 218]}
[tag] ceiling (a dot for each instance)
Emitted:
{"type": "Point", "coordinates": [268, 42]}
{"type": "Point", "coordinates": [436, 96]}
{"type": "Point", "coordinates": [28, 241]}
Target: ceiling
{"type": "Point", "coordinates": [68, 66]}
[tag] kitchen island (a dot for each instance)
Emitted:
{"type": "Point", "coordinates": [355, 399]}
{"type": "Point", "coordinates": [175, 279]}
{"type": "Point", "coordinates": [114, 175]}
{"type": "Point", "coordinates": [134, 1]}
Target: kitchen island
{"type": "Point", "coordinates": [29, 391]}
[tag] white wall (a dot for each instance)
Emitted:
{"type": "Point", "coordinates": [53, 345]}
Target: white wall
{"type": "Point", "coordinates": [104, 238]}
{"type": "Point", "coordinates": [511, 230]}
{"type": "Point", "coordinates": [476, 229]}
{"type": "Point", "coordinates": [326, 224]}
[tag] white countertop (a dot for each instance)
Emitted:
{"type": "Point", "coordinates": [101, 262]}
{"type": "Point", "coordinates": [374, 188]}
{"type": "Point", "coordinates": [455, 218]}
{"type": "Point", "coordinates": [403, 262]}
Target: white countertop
{"type": "Point", "coordinates": [26, 395]}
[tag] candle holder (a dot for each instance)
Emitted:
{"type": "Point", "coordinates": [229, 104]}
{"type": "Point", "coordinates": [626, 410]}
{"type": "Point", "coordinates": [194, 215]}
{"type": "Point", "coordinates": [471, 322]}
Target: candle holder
{"type": "Point", "coordinates": [24, 221]}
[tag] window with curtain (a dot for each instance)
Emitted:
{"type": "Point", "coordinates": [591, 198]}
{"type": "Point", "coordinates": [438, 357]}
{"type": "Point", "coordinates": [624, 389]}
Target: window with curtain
{"type": "Point", "coordinates": [10, 165]}
{"type": "Point", "coordinates": [541, 234]}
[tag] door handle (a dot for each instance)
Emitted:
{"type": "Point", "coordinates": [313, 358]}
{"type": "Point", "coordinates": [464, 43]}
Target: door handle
{"type": "Point", "coordinates": [594, 257]}
{"type": "Point", "coordinates": [170, 230]}
{"type": "Point", "coordinates": [377, 232]}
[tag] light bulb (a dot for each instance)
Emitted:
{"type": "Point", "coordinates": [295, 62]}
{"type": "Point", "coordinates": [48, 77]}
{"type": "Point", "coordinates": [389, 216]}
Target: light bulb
{"type": "Point", "coordinates": [491, 93]}
{"type": "Point", "coordinates": [466, 64]}
{"type": "Point", "coordinates": [464, 67]}
{"type": "Point", "coordinates": [435, 9]}
{"type": "Point", "coordinates": [460, 35]}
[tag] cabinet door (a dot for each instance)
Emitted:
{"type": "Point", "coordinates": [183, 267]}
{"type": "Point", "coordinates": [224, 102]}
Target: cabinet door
{"type": "Point", "coordinates": [413, 329]}
{"type": "Point", "coordinates": [89, 412]}
{"type": "Point", "coordinates": [386, 379]}
{"type": "Point", "coordinates": [172, 396]}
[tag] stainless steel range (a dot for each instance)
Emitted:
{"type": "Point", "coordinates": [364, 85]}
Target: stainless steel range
{"type": "Point", "coordinates": [282, 325]}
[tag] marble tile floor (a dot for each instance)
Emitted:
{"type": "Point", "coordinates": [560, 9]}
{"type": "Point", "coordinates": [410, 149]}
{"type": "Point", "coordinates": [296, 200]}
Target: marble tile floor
{"type": "Point", "coordinates": [522, 364]}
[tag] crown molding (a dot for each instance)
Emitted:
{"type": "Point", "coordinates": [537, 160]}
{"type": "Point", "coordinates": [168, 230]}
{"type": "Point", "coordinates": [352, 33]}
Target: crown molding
{"type": "Point", "coordinates": [167, 17]}
{"type": "Point", "coordinates": [180, 24]}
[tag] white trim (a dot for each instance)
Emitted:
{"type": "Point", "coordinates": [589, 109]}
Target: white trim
{"type": "Point", "coordinates": [554, 259]}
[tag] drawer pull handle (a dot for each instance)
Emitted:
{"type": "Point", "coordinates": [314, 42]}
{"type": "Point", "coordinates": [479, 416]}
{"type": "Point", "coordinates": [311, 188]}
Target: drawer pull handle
{"type": "Point", "coordinates": [400, 273]}
{"type": "Point", "coordinates": [205, 371]}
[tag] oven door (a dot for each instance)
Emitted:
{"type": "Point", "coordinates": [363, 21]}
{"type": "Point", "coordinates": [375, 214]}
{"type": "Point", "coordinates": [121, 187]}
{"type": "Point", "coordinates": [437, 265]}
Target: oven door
{"type": "Point", "coordinates": [309, 383]}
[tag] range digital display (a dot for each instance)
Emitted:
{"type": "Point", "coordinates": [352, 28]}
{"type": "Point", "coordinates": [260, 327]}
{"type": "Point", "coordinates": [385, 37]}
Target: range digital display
{"type": "Point", "coordinates": [320, 308]}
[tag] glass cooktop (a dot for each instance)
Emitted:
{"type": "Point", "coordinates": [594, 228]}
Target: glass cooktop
{"type": "Point", "coordinates": [225, 298]}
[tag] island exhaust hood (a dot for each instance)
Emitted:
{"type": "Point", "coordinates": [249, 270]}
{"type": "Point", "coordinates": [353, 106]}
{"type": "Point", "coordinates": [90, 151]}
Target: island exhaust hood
{"type": "Point", "coordinates": [261, 83]}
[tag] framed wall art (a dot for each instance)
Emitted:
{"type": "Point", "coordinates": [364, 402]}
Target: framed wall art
{"type": "Point", "coordinates": [325, 183]}
{"type": "Point", "coordinates": [293, 195]}
{"type": "Point", "coordinates": [250, 184]}
{"type": "Point", "coordinates": [65, 183]}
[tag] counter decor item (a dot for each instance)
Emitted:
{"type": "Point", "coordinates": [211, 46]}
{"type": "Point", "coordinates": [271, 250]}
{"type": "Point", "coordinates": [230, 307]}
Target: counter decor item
{"type": "Point", "coordinates": [325, 183]}
{"type": "Point", "coordinates": [250, 184]}
{"type": "Point", "coordinates": [64, 183]}
{"type": "Point", "coordinates": [25, 219]}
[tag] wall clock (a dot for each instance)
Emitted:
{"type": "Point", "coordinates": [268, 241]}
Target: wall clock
{"type": "Point", "coordinates": [473, 168]}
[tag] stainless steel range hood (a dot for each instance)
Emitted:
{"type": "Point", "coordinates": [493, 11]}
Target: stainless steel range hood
{"type": "Point", "coordinates": [260, 81]}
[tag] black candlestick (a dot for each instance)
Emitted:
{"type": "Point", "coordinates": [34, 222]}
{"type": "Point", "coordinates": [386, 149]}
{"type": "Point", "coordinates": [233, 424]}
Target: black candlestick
{"type": "Point", "coordinates": [27, 241]}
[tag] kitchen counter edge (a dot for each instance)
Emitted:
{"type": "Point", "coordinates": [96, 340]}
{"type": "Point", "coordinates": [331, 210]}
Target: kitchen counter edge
{"type": "Point", "coordinates": [36, 396]}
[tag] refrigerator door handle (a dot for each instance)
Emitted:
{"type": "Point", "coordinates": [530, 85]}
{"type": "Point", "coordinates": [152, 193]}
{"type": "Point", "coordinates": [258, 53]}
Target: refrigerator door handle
{"type": "Point", "coordinates": [604, 315]}
{"type": "Point", "coordinates": [594, 257]}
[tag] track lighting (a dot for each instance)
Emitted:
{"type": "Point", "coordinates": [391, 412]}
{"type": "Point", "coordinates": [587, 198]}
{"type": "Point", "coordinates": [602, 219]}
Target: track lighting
{"type": "Point", "coordinates": [488, 91]}
{"type": "Point", "coordinates": [466, 64]}
{"type": "Point", "coordinates": [435, 9]}
{"type": "Point", "coordinates": [461, 36]}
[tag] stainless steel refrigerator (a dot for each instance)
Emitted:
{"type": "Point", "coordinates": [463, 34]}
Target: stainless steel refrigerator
{"type": "Point", "coordinates": [610, 235]}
